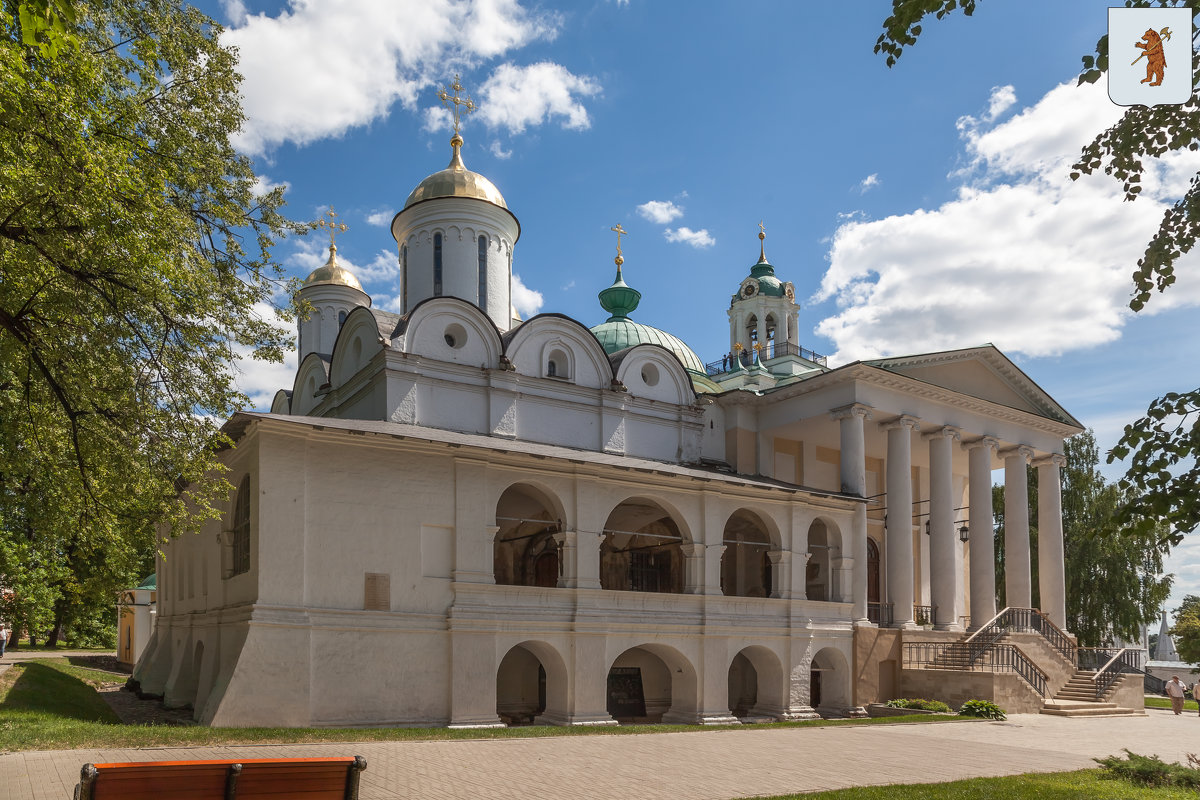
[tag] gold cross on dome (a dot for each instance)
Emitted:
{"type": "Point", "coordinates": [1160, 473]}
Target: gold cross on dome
{"type": "Point", "coordinates": [332, 225]}
{"type": "Point", "coordinates": [762, 232]}
{"type": "Point", "coordinates": [461, 106]}
{"type": "Point", "coordinates": [619, 231]}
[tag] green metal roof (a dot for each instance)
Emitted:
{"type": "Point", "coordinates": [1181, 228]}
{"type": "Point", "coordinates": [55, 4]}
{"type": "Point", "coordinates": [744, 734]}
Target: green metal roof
{"type": "Point", "coordinates": [150, 582]}
{"type": "Point", "coordinates": [768, 284]}
{"type": "Point", "coordinates": [617, 334]}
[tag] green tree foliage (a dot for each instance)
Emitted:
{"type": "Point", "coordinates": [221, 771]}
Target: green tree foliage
{"type": "Point", "coordinates": [1186, 631]}
{"type": "Point", "coordinates": [134, 267]}
{"type": "Point", "coordinates": [1162, 483]}
{"type": "Point", "coordinates": [1113, 575]}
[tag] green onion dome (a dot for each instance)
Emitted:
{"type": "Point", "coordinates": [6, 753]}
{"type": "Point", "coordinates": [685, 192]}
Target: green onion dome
{"type": "Point", "coordinates": [619, 332]}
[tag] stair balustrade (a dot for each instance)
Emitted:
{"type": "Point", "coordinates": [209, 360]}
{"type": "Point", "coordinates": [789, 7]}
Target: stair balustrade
{"type": "Point", "coordinates": [1108, 664]}
{"type": "Point", "coordinates": [995, 658]}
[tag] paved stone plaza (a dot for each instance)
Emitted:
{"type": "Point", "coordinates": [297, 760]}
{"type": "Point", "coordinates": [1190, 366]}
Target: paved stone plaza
{"type": "Point", "coordinates": [681, 766]}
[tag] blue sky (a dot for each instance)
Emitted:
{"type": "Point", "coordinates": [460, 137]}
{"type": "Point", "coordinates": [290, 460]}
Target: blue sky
{"type": "Point", "coordinates": [917, 208]}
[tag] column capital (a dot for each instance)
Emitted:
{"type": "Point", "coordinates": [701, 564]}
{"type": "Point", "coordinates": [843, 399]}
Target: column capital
{"type": "Point", "coordinates": [691, 549]}
{"type": "Point", "coordinates": [779, 556]}
{"type": "Point", "coordinates": [983, 441]}
{"type": "Point", "coordinates": [1053, 459]}
{"type": "Point", "coordinates": [1022, 451]}
{"type": "Point", "coordinates": [902, 421]}
{"type": "Point", "coordinates": [852, 410]}
{"type": "Point", "coordinates": [944, 432]}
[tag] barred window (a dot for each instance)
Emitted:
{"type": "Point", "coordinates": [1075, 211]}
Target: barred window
{"type": "Point", "coordinates": [241, 529]}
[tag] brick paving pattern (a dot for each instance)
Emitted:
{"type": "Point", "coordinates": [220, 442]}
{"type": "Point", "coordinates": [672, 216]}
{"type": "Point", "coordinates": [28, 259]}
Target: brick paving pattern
{"type": "Point", "coordinates": [680, 766]}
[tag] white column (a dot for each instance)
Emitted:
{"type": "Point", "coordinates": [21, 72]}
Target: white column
{"type": "Point", "coordinates": [943, 577]}
{"type": "Point", "coordinates": [568, 561]}
{"type": "Point", "coordinates": [898, 535]}
{"type": "Point", "coordinates": [693, 569]}
{"type": "Point", "coordinates": [587, 559]}
{"type": "Point", "coordinates": [712, 568]}
{"type": "Point", "coordinates": [780, 560]}
{"type": "Point", "coordinates": [1017, 580]}
{"type": "Point", "coordinates": [983, 554]}
{"type": "Point", "coordinates": [1052, 582]}
{"type": "Point", "coordinates": [854, 481]}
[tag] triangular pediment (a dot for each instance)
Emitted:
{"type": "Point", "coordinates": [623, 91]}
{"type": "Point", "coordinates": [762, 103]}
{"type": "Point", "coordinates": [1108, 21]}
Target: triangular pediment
{"type": "Point", "coordinates": [981, 372]}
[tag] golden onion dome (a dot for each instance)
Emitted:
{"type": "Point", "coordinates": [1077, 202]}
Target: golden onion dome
{"type": "Point", "coordinates": [456, 181]}
{"type": "Point", "coordinates": [332, 274]}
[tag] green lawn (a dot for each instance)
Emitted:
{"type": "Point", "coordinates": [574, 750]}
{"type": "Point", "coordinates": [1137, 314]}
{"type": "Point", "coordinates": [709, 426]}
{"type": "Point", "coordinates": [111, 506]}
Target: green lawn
{"type": "Point", "coordinates": [1087, 783]}
{"type": "Point", "coordinates": [47, 704]}
{"type": "Point", "coordinates": [1162, 702]}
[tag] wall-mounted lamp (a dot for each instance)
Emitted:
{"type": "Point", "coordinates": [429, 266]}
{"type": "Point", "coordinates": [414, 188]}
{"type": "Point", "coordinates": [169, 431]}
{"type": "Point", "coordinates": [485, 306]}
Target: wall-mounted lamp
{"type": "Point", "coordinates": [964, 534]}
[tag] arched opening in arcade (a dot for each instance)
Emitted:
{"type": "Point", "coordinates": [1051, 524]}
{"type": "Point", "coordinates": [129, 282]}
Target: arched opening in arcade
{"type": "Point", "coordinates": [650, 684]}
{"type": "Point", "coordinates": [818, 583]}
{"type": "Point", "coordinates": [520, 687]}
{"type": "Point", "coordinates": [829, 683]}
{"type": "Point", "coordinates": [756, 685]}
{"type": "Point", "coordinates": [641, 550]}
{"type": "Point", "coordinates": [524, 551]}
{"type": "Point", "coordinates": [745, 566]}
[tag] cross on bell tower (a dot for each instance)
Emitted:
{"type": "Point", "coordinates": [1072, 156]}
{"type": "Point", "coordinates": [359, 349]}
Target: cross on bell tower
{"type": "Point", "coordinates": [460, 106]}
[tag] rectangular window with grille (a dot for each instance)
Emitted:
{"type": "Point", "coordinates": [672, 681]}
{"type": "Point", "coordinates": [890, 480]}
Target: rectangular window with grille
{"type": "Point", "coordinates": [643, 572]}
{"type": "Point", "coordinates": [377, 592]}
{"type": "Point", "coordinates": [241, 529]}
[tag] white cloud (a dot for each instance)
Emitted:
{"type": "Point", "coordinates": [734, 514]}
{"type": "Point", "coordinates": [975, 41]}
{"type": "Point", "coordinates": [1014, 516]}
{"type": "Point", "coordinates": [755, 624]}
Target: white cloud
{"type": "Point", "coordinates": [868, 183]}
{"type": "Point", "coordinates": [263, 185]}
{"type": "Point", "coordinates": [319, 68]}
{"type": "Point", "coordinates": [526, 301]}
{"type": "Point", "coordinates": [515, 97]}
{"type": "Point", "coordinates": [1022, 257]}
{"type": "Point", "coordinates": [260, 380]}
{"type": "Point", "coordinates": [381, 218]}
{"type": "Point", "coordinates": [698, 239]}
{"type": "Point", "coordinates": [1002, 99]}
{"type": "Point", "coordinates": [235, 11]}
{"type": "Point", "coordinates": [498, 151]}
{"type": "Point", "coordinates": [313, 251]}
{"type": "Point", "coordinates": [660, 212]}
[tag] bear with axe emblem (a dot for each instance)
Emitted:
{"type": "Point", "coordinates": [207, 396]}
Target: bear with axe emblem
{"type": "Point", "coordinates": [1151, 46]}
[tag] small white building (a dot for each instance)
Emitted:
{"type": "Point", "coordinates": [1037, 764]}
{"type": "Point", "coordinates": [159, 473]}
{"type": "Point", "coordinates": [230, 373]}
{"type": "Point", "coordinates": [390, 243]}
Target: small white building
{"type": "Point", "coordinates": [454, 517]}
{"type": "Point", "coordinates": [135, 619]}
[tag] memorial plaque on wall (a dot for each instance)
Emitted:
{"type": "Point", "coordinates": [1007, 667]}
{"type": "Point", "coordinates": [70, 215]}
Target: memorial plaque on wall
{"type": "Point", "coordinates": [625, 697]}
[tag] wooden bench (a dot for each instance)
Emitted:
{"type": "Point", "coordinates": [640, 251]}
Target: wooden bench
{"type": "Point", "coordinates": [245, 779]}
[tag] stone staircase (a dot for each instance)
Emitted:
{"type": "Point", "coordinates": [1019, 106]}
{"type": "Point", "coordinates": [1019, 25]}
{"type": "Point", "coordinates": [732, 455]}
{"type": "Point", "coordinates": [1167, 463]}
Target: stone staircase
{"type": "Point", "coordinates": [1057, 677]}
{"type": "Point", "coordinates": [1078, 699]}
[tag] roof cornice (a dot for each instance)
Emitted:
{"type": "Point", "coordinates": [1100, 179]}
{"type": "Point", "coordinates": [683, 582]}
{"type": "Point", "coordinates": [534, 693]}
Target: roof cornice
{"type": "Point", "coordinates": [878, 376]}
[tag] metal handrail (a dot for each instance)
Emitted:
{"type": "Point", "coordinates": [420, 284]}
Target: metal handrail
{"type": "Point", "coordinates": [997, 658]}
{"type": "Point", "coordinates": [1056, 636]}
{"type": "Point", "coordinates": [1126, 660]}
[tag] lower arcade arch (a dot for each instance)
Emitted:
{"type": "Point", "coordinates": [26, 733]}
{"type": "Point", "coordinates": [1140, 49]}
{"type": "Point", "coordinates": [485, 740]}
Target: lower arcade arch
{"type": "Point", "coordinates": [531, 684]}
{"type": "Point", "coordinates": [525, 551]}
{"type": "Point", "coordinates": [829, 682]}
{"type": "Point", "coordinates": [642, 549]}
{"type": "Point", "coordinates": [652, 683]}
{"type": "Point", "coordinates": [756, 686]}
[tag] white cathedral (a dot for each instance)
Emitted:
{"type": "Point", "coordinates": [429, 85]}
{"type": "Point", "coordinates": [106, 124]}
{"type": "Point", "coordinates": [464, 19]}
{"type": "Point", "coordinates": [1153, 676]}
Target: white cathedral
{"type": "Point", "coordinates": [455, 517]}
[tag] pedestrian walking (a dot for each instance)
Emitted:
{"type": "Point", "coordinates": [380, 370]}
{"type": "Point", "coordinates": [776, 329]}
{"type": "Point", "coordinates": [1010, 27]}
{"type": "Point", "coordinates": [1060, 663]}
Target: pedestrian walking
{"type": "Point", "coordinates": [1196, 694]}
{"type": "Point", "coordinates": [3, 637]}
{"type": "Point", "coordinates": [1176, 691]}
